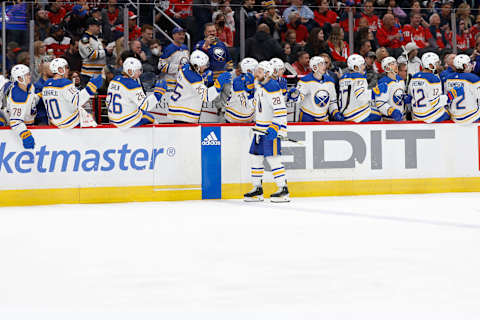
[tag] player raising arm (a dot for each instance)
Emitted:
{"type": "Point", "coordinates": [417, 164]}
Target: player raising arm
{"type": "Point", "coordinates": [463, 88]}
{"type": "Point", "coordinates": [270, 125]}
{"type": "Point", "coordinates": [190, 91]}
{"type": "Point", "coordinates": [317, 94]}
{"type": "Point", "coordinates": [127, 104]}
{"type": "Point", "coordinates": [63, 101]}
{"type": "Point", "coordinates": [389, 93]}
{"type": "Point", "coordinates": [21, 104]}
{"type": "Point", "coordinates": [240, 107]}
{"type": "Point", "coordinates": [354, 95]}
{"type": "Point", "coordinates": [428, 102]}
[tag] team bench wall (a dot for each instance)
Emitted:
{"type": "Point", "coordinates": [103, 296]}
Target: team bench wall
{"type": "Point", "coordinates": [210, 161]}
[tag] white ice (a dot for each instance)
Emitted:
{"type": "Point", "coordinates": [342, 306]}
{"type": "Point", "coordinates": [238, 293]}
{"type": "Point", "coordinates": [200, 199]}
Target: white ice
{"type": "Point", "coordinates": [366, 257]}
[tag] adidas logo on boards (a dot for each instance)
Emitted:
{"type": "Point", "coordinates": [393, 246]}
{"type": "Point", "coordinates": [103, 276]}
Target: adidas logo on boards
{"type": "Point", "coordinates": [211, 140]}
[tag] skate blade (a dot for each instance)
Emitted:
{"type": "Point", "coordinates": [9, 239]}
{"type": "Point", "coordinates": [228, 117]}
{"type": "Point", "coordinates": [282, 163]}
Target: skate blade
{"type": "Point", "coordinates": [253, 199]}
{"type": "Point", "coordinates": [280, 199]}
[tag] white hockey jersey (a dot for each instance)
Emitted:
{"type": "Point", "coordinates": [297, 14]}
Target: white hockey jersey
{"type": "Point", "coordinates": [428, 103]}
{"type": "Point", "coordinates": [464, 108]}
{"type": "Point", "coordinates": [392, 97]}
{"type": "Point", "coordinates": [21, 107]}
{"type": "Point", "coordinates": [239, 108]}
{"type": "Point", "coordinates": [324, 90]}
{"type": "Point", "coordinates": [189, 95]}
{"type": "Point", "coordinates": [125, 100]}
{"type": "Point", "coordinates": [93, 55]}
{"type": "Point", "coordinates": [170, 61]}
{"type": "Point", "coordinates": [354, 97]}
{"type": "Point", "coordinates": [62, 100]}
{"type": "Point", "coordinates": [270, 108]}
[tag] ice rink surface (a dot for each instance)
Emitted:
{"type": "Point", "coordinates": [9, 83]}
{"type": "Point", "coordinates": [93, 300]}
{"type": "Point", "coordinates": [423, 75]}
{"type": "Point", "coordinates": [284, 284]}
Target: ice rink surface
{"type": "Point", "coordinates": [365, 257]}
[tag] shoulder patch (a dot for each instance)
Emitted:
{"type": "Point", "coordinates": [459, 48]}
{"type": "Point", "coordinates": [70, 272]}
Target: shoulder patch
{"type": "Point", "coordinates": [192, 76]}
{"type": "Point", "coordinates": [18, 95]}
{"type": "Point", "coordinates": [272, 86]}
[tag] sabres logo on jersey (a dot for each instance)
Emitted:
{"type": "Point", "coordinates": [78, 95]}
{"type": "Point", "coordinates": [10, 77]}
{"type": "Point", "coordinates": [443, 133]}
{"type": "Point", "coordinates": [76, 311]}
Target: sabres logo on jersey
{"type": "Point", "coordinates": [219, 54]}
{"type": "Point", "coordinates": [322, 98]}
{"type": "Point", "coordinates": [398, 97]}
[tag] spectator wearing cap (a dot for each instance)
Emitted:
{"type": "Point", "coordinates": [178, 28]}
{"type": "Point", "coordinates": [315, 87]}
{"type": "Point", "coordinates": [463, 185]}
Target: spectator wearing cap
{"type": "Point", "coordinates": [323, 15]}
{"type": "Point", "coordinates": [73, 57]}
{"type": "Point", "coordinates": [92, 52]}
{"type": "Point", "coordinates": [262, 46]}
{"type": "Point", "coordinates": [134, 31]}
{"type": "Point", "coordinates": [302, 66]}
{"type": "Point", "coordinates": [368, 13]}
{"type": "Point", "coordinates": [146, 38]}
{"type": "Point", "coordinates": [437, 33]}
{"type": "Point", "coordinates": [174, 56]}
{"type": "Point", "coordinates": [338, 47]}
{"type": "Point", "coordinates": [389, 35]}
{"type": "Point", "coordinates": [56, 12]}
{"type": "Point", "coordinates": [57, 41]}
{"type": "Point", "coordinates": [410, 57]}
{"type": "Point", "coordinates": [372, 76]}
{"type": "Point", "coordinates": [297, 5]}
{"type": "Point", "coordinates": [272, 19]}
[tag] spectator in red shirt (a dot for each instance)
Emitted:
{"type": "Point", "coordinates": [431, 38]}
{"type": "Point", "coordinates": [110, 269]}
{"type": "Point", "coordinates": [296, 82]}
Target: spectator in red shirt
{"type": "Point", "coordinates": [56, 13]}
{"type": "Point", "coordinates": [389, 35]}
{"type": "Point", "coordinates": [301, 66]}
{"type": "Point", "coordinates": [300, 29]}
{"type": "Point", "coordinates": [437, 33]}
{"type": "Point", "coordinates": [463, 38]}
{"type": "Point", "coordinates": [113, 12]}
{"type": "Point", "coordinates": [338, 47]}
{"type": "Point", "coordinates": [179, 9]}
{"type": "Point", "coordinates": [57, 41]}
{"type": "Point", "coordinates": [475, 29]}
{"type": "Point", "coordinates": [223, 32]}
{"type": "Point", "coordinates": [381, 53]}
{"type": "Point", "coordinates": [419, 34]}
{"type": "Point", "coordinates": [134, 31]}
{"type": "Point", "coordinates": [324, 15]}
{"type": "Point", "coordinates": [373, 20]}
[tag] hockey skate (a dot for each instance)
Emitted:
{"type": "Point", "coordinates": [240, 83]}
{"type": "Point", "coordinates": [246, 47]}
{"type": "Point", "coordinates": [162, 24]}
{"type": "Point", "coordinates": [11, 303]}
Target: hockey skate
{"type": "Point", "coordinates": [255, 195]}
{"type": "Point", "coordinates": [281, 195]}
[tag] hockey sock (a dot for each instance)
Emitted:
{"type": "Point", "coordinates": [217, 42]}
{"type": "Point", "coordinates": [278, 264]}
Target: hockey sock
{"type": "Point", "coordinates": [257, 170]}
{"type": "Point", "coordinates": [278, 170]}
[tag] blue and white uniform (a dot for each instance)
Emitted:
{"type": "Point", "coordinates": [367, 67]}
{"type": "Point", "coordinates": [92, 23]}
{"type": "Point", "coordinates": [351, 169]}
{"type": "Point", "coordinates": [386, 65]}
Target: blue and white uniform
{"type": "Point", "coordinates": [318, 98]}
{"type": "Point", "coordinates": [392, 97]}
{"type": "Point", "coordinates": [464, 108]}
{"type": "Point", "coordinates": [428, 102]}
{"type": "Point", "coordinates": [189, 95]}
{"type": "Point", "coordinates": [172, 58]}
{"type": "Point", "coordinates": [239, 108]}
{"type": "Point", "coordinates": [270, 112]}
{"type": "Point", "coordinates": [127, 103]}
{"type": "Point", "coordinates": [21, 108]}
{"type": "Point", "coordinates": [354, 98]}
{"type": "Point", "coordinates": [62, 101]}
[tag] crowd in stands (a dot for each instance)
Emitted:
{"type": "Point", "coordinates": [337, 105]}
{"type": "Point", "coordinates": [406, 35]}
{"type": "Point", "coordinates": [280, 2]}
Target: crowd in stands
{"type": "Point", "coordinates": [292, 30]}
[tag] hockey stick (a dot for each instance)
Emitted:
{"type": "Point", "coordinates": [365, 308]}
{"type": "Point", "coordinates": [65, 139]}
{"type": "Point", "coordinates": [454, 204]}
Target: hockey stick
{"type": "Point", "coordinates": [349, 88]}
{"type": "Point", "coordinates": [290, 69]}
{"type": "Point", "coordinates": [281, 138]}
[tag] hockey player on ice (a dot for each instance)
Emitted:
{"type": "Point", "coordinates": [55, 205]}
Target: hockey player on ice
{"type": "Point", "coordinates": [270, 125]}
{"type": "Point", "coordinates": [126, 101]}
{"type": "Point", "coordinates": [21, 104]}
{"type": "Point", "coordinates": [425, 88]}
{"type": "Point", "coordinates": [239, 107]}
{"type": "Point", "coordinates": [463, 89]}
{"type": "Point", "coordinates": [390, 93]}
{"type": "Point", "coordinates": [190, 91]}
{"type": "Point", "coordinates": [317, 94]}
{"type": "Point", "coordinates": [354, 95]}
{"type": "Point", "coordinates": [63, 101]}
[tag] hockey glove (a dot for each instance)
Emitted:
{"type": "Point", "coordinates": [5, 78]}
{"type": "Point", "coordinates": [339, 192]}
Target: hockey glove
{"type": "Point", "coordinates": [27, 139]}
{"type": "Point", "coordinates": [395, 114]}
{"type": "Point", "coordinates": [293, 94]}
{"type": "Point", "coordinates": [222, 79]}
{"type": "Point", "coordinates": [208, 78]}
{"type": "Point", "coordinates": [379, 89]}
{"type": "Point", "coordinates": [407, 99]}
{"type": "Point", "coordinates": [160, 89]}
{"type": "Point", "coordinates": [94, 84]}
{"type": "Point", "coordinates": [338, 116]}
{"type": "Point", "coordinates": [272, 133]}
{"type": "Point", "coordinates": [455, 92]}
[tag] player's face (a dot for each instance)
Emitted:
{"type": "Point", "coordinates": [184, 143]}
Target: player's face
{"type": "Point", "coordinates": [137, 74]}
{"type": "Point", "coordinates": [322, 67]}
{"type": "Point", "coordinates": [280, 72]}
{"type": "Point", "coordinates": [260, 74]}
{"type": "Point", "coordinates": [394, 67]}
{"type": "Point", "coordinates": [202, 69]}
{"type": "Point", "coordinates": [179, 37]}
{"type": "Point", "coordinates": [361, 68]}
{"type": "Point", "coordinates": [25, 80]}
